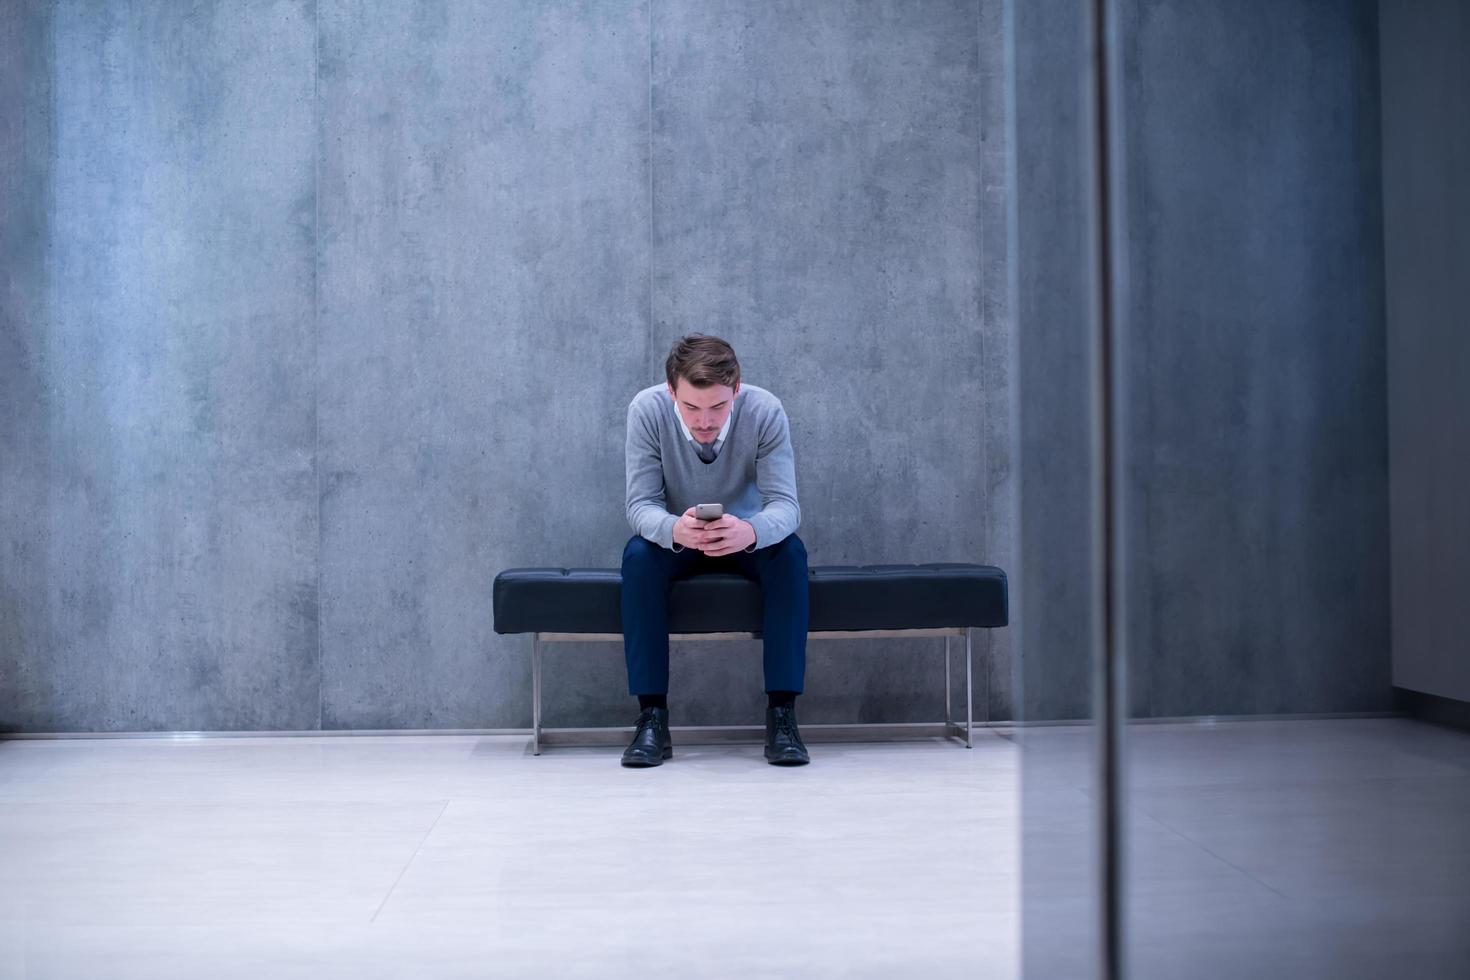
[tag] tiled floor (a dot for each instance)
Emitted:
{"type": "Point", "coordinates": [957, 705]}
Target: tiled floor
{"type": "Point", "coordinates": [463, 856]}
{"type": "Point", "coordinates": [1262, 849]}
{"type": "Point", "coordinates": [1297, 849]}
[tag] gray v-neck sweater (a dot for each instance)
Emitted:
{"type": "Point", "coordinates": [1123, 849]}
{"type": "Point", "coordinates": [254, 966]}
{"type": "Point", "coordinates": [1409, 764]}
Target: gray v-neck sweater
{"type": "Point", "coordinates": [754, 475]}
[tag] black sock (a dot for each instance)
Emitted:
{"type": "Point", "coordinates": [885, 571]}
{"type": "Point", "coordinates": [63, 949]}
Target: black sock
{"type": "Point", "coordinates": [781, 699]}
{"type": "Point", "coordinates": [646, 701]}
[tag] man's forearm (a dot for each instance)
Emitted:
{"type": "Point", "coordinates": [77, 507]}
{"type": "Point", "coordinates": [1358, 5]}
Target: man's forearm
{"type": "Point", "coordinates": [775, 476]}
{"type": "Point", "coordinates": [776, 520]}
{"type": "Point", "coordinates": [648, 514]}
{"type": "Point", "coordinates": [651, 521]}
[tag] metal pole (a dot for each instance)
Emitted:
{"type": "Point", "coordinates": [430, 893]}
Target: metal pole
{"type": "Point", "coordinates": [1109, 290]}
{"type": "Point", "coordinates": [947, 713]}
{"type": "Point", "coordinates": [988, 656]}
{"type": "Point", "coordinates": [536, 694]}
{"type": "Point", "coordinates": [969, 688]}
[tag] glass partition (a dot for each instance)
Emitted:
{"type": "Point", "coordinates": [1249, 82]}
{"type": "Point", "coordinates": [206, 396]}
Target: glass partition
{"type": "Point", "coordinates": [1238, 259]}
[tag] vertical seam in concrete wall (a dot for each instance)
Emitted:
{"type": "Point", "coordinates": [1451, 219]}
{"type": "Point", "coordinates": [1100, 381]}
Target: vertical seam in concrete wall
{"type": "Point", "coordinates": [650, 326]}
{"type": "Point", "coordinates": [316, 332]}
{"type": "Point", "coordinates": [1141, 352]}
{"type": "Point", "coordinates": [988, 527]}
{"type": "Point", "coordinates": [1392, 478]}
{"type": "Point", "coordinates": [1376, 54]}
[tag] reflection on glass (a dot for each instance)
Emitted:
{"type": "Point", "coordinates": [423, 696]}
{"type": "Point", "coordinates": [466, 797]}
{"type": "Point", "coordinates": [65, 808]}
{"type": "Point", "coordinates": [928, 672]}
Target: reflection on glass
{"type": "Point", "coordinates": [1295, 488]}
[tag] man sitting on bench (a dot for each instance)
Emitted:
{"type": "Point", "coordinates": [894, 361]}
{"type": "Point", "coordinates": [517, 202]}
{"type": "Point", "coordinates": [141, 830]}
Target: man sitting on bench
{"type": "Point", "coordinates": [703, 438]}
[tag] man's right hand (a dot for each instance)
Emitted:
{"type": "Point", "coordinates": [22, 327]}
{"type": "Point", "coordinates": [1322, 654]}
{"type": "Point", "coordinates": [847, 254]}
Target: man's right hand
{"type": "Point", "coordinates": [689, 530]}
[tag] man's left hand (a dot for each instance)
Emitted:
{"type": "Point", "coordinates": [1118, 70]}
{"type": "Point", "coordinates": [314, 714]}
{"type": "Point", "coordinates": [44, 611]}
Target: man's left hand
{"type": "Point", "coordinates": [727, 535]}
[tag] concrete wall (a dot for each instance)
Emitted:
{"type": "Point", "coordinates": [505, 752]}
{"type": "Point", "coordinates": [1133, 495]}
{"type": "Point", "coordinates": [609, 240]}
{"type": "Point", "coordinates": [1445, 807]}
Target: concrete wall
{"type": "Point", "coordinates": [160, 566]}
{"type": "Point", "coordinates": [482, 321]}
{"type": "Point", "coordinates": [1426, 155]}
{"type": "Point", "coordinates": [295, 287]}
{"type": "Point", "coordinates": [1051, 296]}
{"type": "Point", "coordinates": [1257, 475]}
{"type": "Point", "coordinates": [1258, 521]}
{"type": "Point", "coordinates": [25, 459]}
{"type": "Point", "coordinates": [326, 313]}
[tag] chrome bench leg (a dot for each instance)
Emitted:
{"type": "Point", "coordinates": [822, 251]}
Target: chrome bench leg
{"type": "Point", "coordinates": [969, 687]}
{"type": "Point", "coordinates": [947, 713]}
{"type": "Point", "coordinates": [536, 694]}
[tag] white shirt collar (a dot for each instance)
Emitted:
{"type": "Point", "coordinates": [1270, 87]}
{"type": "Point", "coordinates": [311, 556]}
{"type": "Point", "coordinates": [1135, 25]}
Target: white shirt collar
{"type": "Point", "coordinates": [719, 439]}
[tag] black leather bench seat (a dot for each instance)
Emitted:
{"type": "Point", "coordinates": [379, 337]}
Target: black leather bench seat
{"type": "Point", "coordinates": [843, 597]}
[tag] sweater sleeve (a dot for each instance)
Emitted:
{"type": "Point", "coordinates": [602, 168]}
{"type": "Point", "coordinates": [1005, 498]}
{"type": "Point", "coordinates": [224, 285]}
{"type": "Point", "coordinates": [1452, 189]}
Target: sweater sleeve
{"type": "Point", "coordinates": [647, 512]}
{"type": "Point", "coordinates": [775, 478]}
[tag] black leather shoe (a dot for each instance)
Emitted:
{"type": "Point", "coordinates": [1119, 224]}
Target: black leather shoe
{"type": "Point", "coordinates": [651, 743]}
{"type": "Point", "coordinates": [783, 741]}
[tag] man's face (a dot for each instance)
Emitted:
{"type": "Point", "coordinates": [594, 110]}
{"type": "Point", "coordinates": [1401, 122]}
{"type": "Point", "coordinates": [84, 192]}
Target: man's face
{"type": "Point", "coordinates": [704, 410]}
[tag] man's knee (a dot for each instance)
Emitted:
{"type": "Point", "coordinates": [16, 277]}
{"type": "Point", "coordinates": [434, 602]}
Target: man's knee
{"type": "Point", "coordinates": [641, 554]}
{"type": "Point", "coordinates": [789, 552]}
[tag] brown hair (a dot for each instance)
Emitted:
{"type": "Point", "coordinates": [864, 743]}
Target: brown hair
{"type": "Point", "coordinates": [702, 361]}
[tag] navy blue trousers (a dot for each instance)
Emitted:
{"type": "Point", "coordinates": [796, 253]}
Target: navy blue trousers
{"type": "Point", "coordinates": [649, 569]}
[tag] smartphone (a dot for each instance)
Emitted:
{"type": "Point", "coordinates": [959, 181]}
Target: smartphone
{"type": "Point", "coordinates": [709, 512]}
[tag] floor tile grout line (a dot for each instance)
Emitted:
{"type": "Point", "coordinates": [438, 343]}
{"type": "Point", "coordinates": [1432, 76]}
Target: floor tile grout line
{"type": "Point", "coordinates": [409, 862]}
{"type": "Point", "coordinates": [1223, 860]}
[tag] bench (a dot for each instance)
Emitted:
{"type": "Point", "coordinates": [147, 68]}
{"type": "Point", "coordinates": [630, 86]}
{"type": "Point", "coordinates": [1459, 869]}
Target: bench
{"type": "Point", "coordinates": [560, 605]}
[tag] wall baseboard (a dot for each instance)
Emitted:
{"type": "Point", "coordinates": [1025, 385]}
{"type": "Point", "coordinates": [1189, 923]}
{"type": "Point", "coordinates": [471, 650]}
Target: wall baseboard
{"type": "Point", "coordinates": [308, 733]}
{"type": "Point", "coordinates": [1433, 708]}
{"type": "Point", "coordinates": [1002, 725]}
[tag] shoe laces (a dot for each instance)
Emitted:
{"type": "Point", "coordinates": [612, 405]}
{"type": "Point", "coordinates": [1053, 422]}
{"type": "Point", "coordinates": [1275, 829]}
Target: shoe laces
{"type": "Point", "coordinates": [786, 722]}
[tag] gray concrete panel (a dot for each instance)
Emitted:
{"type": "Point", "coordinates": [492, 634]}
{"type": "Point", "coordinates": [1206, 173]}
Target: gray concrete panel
{"type": "Point", "coordinates": [1426, 155]}
{"type": "Point", "coordinates": [174, 585]}
{"type": "Point", "coordinates": [1051, 320]}
{"type": "Point", "coordinates": [26, 624]}
{"type": "Point", "coordinates": [483, 304]}
{"type": "Point", "coordinates": [1258, 476]}
{"type": "Point", "coordinates": [1257, 521]}
{"type": "Point", "coordinates": [999, 447]}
